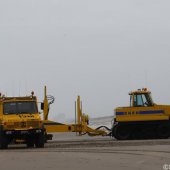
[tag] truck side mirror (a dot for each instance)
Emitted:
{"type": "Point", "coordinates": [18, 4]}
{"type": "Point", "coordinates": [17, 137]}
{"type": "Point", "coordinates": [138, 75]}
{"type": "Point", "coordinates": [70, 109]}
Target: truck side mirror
{"type": "Point", "coordinates": [42, 106]}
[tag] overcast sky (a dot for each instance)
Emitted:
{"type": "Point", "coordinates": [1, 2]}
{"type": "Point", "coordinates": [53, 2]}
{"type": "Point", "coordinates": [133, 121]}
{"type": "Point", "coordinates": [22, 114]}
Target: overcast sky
{"type": "Point", "coordinates": [99, 49]}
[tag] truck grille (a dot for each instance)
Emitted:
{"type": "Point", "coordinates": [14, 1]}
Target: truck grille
{"type": "Point", "coordinates": [33, 124]}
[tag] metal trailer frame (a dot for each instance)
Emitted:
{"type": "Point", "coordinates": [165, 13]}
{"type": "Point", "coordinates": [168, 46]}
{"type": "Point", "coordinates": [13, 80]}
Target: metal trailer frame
{"type": "Point", "coordinates": [81, 121]}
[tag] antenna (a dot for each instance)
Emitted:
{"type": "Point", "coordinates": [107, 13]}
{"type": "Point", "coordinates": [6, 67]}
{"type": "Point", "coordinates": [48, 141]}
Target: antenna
{"type": "Point", "coordinates": [12, 88]}
{"type": "Point", "coordinates": [26, 88]}
{"type": "Point", "coordinates": [146, 79]}
{"type": "Point", "coordinates": [19, 91]}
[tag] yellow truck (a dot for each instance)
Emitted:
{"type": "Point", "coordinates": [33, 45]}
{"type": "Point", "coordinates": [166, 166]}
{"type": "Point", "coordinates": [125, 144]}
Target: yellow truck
{"type": "Point", "coordinates": [21, 121]}
{"type": "Point", "coordinates": [143, 119]}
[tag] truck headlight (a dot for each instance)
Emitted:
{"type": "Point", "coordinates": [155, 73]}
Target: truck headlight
{"type": "Point", "coordinates": [8, 132]}
{"type": "Point", "coordinates": [38, 131]}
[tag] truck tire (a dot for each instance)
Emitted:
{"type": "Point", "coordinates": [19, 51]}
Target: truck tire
{"type": "Point", "coordinates": [40, 140]}
{"type": "Point", "coordinates": [30, 143]}
{"type": "Point", "coordinates": [3, 141]}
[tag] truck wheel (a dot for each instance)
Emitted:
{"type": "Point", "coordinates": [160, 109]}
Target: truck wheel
{"type": "Point", "coordinates": [30, 143]}
{"type": "Point", "coordinates": [40, 140]}
{"type": "Point", "coordinates": [45, 138]}
{"type": "Point", "coordinates": [3, 141]}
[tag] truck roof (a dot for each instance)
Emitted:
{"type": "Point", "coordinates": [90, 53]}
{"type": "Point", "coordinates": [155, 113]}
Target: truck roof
{"type": "Point", "coordinates": [25, 98]}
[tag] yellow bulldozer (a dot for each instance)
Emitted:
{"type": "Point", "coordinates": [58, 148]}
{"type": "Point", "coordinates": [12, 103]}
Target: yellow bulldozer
{"type": "Point", "coordinates": [143, 119]}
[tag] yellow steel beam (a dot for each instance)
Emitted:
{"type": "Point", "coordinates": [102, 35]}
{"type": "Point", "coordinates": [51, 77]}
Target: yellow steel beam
{"type": "Point", "coordinates": [81, 126]}
{"type": "Point", "coordinates": [46, 106]}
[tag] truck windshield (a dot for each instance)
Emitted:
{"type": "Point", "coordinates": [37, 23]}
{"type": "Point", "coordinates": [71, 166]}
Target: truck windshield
{"type": "Point", "coordinates": [19, 107]}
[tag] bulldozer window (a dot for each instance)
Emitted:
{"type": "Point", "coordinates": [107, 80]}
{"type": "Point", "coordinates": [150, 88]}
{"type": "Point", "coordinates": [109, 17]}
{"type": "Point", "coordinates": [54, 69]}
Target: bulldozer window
{"type": "Point", "coordinates": [142, 100]}
{"type": "Point", "coordinates": [139, 100]}
{"type": "Point", "coordinates": [149, 99]}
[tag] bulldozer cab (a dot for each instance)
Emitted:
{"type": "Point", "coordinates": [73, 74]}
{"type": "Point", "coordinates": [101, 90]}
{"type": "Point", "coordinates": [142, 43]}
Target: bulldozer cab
{"type": "Point", "coordinates": [141, 98]}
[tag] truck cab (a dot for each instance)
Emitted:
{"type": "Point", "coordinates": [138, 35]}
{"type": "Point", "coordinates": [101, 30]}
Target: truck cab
{"type": "Point", "coordinates": [20, 121]}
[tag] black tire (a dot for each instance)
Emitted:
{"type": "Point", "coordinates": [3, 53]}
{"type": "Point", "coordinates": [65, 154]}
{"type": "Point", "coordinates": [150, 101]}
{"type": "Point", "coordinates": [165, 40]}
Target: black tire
{"type": "Point", "coordinates": [138, 133]}
{"type": "Point", "coordinates": [122, 132]}
{"type": "Point", "coordinates": [40, 140]}
{"type": "Point", "coordinates": [45, 138]}
{"type": "Point", "coordinates": [3, 141]}
{"type": "Point", "coordinates": [142, 132]}
{"type": "Point", "coordinates": [163, 131]}
{"type": "Point", "coordinates": [30, 144]}
{"type": "Point", "coordinates": [30, 141]}
{"type": "Point", "coordinates": [114, 131]}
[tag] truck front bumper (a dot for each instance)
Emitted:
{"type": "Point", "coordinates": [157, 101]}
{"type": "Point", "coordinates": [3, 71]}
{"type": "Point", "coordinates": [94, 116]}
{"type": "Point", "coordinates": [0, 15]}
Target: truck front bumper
{"type": "Point", "coordinates": [23, 132]}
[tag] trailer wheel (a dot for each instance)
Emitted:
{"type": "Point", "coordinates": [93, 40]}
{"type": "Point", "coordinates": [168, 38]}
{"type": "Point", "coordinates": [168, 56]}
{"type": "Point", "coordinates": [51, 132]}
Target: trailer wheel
{"type": "Point", "coordinates": [163, 131]}
{"type": "Point", "coordinates": [122, 132]}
